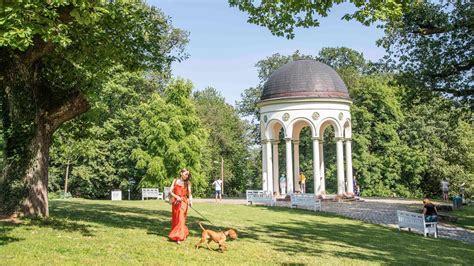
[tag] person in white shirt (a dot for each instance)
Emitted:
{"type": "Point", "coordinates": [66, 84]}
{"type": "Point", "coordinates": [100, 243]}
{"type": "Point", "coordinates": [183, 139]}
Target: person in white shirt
{"type": "Point", "coordinates": [445, 189]}
{"type": "Point", "coordinates": [218, 187]}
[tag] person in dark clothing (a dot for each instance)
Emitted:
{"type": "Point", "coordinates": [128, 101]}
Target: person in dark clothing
{"type": "Point", "coordinates": [429, 210]}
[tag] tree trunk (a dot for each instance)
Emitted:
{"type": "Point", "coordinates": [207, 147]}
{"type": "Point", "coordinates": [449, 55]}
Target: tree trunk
{"type": "Point", "coordinates": [30, 117]}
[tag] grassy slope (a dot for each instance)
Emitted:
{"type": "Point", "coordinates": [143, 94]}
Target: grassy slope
{"type": "Point", "coordinates": [465, 216]}
{"type": "Point", "coordinates": [105, 232]}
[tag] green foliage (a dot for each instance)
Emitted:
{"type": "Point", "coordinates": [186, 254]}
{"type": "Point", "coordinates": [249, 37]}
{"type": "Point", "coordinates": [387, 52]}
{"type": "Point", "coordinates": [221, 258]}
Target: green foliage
{"type": "Point", "coordinates": [45, 20]}
{"type": "Point", "coordinates": [228, 139]}
{"type": "Point", "coordinates": [281, 17]}
{"type": "Point", "coordinates": [376, 117]}
{"type": "Point", "coordinates": [440, 135]}
{"type": "Point", "coordinates": [432, 44]}
{"type": "Point", "coordinates": [98, 145]}
{"type": "Point", "coordinates": [173, 136]}
{"type": "Point", "coordinates": [55, 57]}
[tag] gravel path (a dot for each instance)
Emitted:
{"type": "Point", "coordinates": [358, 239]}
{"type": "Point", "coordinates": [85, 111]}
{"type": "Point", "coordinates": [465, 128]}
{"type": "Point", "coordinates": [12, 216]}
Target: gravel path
{"type": "Point", "coordinates": [376, 211]}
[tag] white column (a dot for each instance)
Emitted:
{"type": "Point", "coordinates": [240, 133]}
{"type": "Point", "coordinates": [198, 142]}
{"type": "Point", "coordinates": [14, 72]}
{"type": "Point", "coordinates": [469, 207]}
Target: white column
{"type": "Point", "coordinates": [350, 184]}
{"type": "Point", "coordinates": [275, 166]}
{"type": "Point", "coordinates": [289, 167]}
{"type": "Point", "coordinates": [296, 169]}
{"type": "Point", "coordinates": [340, 167]}
{"type": "Point", "coordinates": [264, 165]}
{"type": "Point", "coordinates": [321, 168]}
{"type": "Point", "coordinates": [316, 164]}
{"type": "Point", "coordinates": [269, 166]}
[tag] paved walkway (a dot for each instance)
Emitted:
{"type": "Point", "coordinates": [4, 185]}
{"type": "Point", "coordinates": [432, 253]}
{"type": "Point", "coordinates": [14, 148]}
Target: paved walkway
{"type": "Point", "coordinates": [376, 211]}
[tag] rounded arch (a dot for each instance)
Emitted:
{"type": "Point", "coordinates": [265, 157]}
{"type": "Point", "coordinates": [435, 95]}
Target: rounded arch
{"type": "Point", "coordinates": [273, 128]}
{"type": "Point", "coordinates": [327, 122]}
{"type": "Point", "coordinates": [348, 129]}
{"type": "Point", "coordinates": [297, 124]}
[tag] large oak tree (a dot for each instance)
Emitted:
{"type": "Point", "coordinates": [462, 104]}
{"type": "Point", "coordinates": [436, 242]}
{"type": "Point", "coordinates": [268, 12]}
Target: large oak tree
{"type": "Point", "coordinates": [54, 56]}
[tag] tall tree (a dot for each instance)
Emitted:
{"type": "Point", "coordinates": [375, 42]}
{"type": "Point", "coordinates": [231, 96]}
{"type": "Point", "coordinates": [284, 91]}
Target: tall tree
{"type": "Point", "coordinates": [173, 135]}
{"type": "Point", "coordinates": [53, 56]}
{"type": "Point", "coordinates": [432, 44]}
{"type": "Point", "coordinates": [97, 145]}
{"type": "Point", "coordinates": [228, 139]}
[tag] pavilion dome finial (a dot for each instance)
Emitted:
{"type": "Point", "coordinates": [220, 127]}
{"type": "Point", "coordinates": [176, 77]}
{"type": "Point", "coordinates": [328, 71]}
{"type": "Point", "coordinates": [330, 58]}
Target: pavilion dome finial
{"type": "Point", "coordinates": [305, 79]}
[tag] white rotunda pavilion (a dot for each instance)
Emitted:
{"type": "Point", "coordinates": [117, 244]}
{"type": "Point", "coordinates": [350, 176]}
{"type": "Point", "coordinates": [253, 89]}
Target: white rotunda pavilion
{"type": "Point", "coordinates": [305, 93]}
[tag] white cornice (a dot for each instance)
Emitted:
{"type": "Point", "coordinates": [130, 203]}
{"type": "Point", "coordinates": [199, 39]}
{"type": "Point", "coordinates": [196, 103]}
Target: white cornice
{"type": "Point", "coordinates": [301, 100]}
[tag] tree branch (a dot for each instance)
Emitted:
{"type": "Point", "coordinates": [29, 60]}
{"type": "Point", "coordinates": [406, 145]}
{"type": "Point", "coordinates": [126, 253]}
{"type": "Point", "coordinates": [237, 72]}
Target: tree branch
{"type": "Point", "coordinates": [73, 106]}
{"type": "Point", "coordinates": [41, 48]}
{"type": "Point", "coordinates": [455, 69]}
{"type": "Point", "coordinates": [426, 30]}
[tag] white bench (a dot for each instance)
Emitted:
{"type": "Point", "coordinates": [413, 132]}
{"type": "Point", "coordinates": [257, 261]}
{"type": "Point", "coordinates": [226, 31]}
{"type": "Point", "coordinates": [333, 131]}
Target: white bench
{"type": "Point", "coordinates": [305, 200]}
{"type": "Point", "coordinates": [151, 193]}
{"type": "Point", "coordinates": [260, 196]}
{"type": "Point", "coordinates": [413, 220]}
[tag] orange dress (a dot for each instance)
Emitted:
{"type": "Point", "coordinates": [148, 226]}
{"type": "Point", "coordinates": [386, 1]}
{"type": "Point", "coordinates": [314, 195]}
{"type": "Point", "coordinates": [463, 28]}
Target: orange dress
{"type": "Point", "coordinates": [179, 230]}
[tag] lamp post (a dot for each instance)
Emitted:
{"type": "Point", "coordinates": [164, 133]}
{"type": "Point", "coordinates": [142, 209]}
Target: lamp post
{"type": "Point", "coordinates": [130, 183]}
{"type": "Point", "coordinates": [222, 174]}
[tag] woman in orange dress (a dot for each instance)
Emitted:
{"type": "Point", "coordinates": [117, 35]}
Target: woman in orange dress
{"type": "Point", "coordinates": [180, 189]}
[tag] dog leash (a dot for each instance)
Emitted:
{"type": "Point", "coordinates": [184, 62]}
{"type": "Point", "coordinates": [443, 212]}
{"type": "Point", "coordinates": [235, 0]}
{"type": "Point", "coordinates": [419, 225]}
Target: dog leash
{"type": "Point", "coordinates": [202, 215]}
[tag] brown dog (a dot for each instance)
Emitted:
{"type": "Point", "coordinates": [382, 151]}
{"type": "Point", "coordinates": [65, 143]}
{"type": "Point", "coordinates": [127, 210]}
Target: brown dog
{"type": "Point", "coordinates": [218, 237]}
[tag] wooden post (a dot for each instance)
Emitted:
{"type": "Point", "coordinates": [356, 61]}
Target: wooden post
{"type": "Point", "coordinates": [222, 174]}
{"type": "Point", "coordinates": [66, 177]}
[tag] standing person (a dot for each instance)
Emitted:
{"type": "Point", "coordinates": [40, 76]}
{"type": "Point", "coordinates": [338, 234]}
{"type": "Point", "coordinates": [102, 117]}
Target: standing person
{"type": "Point", "coordinates": [356, 186]}
{"type": "Point", "coordinates": [430, 211]}
{"type": "Point", "coordinates": [302, 182]}
{"type": "Point", "coordinates": [218, 188]}
{"type": "Point", "coordinates": [462, 191]}
{"type": "Point", "coordinates": [180, 191]}
{"type": "Point", "coordinates": [283, 184]}
{"type": "Point", "coordinates": [445, 189]}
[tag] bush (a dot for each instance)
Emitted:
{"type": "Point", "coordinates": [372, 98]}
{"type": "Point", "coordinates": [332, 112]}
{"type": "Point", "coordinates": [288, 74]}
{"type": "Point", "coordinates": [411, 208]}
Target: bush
{"type": "Point", "coordinates": [53, 195]}
{"type": "Point", "coordinates": [65, 195]}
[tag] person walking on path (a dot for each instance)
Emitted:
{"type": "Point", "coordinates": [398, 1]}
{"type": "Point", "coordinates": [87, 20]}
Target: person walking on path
{"type": "Point", "coordinates": [445, 189]}
{"type": "Point", "coordinates": [218, 188]}
{"type": "Point", "coordinates": [180, 192]}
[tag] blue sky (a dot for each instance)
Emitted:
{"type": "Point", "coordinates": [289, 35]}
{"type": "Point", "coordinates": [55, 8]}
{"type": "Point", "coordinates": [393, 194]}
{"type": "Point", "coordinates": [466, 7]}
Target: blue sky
{"type": "Point", "coordinates": [224, 48]}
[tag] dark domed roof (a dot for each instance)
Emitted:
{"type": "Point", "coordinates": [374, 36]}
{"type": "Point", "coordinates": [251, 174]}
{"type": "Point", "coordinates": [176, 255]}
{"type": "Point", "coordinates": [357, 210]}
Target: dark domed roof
{"type": "Point", "coordinates": [303, 79]}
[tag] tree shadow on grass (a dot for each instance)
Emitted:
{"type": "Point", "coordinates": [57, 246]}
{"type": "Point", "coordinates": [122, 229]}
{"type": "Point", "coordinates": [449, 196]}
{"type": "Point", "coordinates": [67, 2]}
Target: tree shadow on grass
{"type": "Point", "coordinates": [5, 228]}
{"type": "Point", "coordinates": [155, 222]}
{"type": "Point", "coordinates": [356, 240]}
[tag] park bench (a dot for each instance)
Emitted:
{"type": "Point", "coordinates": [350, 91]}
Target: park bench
{"type": "Point", "coordinates": [305, 200]}
{"type": "Point", "coordinates": [413, 220]}
{"type": "Point", "coordinates": [151, 193]}
{"type": "Point", "coordinates": [260, 196]}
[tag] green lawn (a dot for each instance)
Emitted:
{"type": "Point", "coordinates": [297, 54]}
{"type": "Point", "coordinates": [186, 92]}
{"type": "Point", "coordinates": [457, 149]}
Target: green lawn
{"type": "Point", "coordinates": [132, 232]}
{"type": "Point", "coordinates": [465, 216]}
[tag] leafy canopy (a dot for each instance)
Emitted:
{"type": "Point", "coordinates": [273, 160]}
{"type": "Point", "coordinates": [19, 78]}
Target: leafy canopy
{"type": "Point", "coordinates": [281, 17]}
